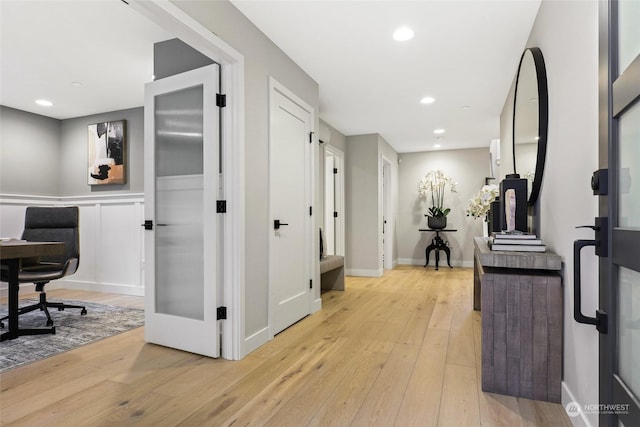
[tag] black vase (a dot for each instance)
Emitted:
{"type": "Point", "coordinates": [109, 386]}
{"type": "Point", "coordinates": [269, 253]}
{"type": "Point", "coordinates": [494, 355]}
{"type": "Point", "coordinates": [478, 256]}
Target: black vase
{"type": "Point", "coordinates": [437, 222]}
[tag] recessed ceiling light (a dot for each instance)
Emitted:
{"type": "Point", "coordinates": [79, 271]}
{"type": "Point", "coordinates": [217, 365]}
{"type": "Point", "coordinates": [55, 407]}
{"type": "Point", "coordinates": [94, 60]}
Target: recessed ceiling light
{"type": "Point", "coordinates": [438, 131]}
{"type": "Point", "coordinates": [428, 100]}
{"type": "Point", "coordinates": [436, 146]}
{"type": "Point", "coordinates": [76, 84]}
{"type": "Point", "coordinates": [465, 107]}
{"type": "Point", "coordinates": [44, 103]}
{"type": "Point", "coordinates": [403, 34]}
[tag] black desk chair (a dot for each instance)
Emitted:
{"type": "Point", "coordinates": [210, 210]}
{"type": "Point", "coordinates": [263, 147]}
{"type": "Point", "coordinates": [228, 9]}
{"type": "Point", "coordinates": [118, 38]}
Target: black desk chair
{"type": "Point", "coordinates": [46, 224]}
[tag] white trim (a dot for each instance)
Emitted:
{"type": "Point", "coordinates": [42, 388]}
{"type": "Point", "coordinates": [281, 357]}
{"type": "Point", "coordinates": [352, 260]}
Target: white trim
{"type": "Point", "coordinates": [102, 199]}
{"type": "Point", "coordinates": [363, 273]}
{"type": "Point", "coordinates": [190, 31]}
{"type": "Point", "coordinates": [385, 204]}
{"type": "Point", "coordinates": [256, 339]}
{"type": "Point", "coordinates": [568, 397]}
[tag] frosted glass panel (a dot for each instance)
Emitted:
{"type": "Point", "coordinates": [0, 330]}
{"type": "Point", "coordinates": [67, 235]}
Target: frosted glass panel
{"type": "Point", "coordinates": [629, 328]}
{"type": "Point", "coordinates": [179, 204]}
{"type": "Point", "coordinates": [629, 32]}
{"type": "Point", "coordinates": [179, 129]}
{"type": "Point", "coordinates": [629, 197]}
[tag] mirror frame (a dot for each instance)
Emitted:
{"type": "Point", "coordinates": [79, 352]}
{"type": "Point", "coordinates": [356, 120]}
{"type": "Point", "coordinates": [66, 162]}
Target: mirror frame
{"type": "Point", "coordinates": [543, 120]}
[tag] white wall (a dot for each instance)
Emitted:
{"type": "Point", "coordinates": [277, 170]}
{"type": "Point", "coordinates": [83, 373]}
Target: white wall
{"type": "Point", "coordinates": [387, 152]}
{"type": "Point", "coordinates": [567, 34]}
{"type": "Point", "coordinates": [111, 240]}
{"type": "Point", "coordinates": [469, 169]}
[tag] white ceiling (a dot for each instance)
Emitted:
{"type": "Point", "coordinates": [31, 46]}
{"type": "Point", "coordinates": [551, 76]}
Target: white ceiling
{"type": "Point", "coordinates": [47, 45]}
{"type": "Point", "coordinates": [464, 53]}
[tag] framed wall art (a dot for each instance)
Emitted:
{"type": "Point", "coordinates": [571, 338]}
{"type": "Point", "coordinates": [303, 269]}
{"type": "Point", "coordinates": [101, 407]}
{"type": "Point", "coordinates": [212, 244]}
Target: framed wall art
{"type": "Point", "coordinates": [106, 158]}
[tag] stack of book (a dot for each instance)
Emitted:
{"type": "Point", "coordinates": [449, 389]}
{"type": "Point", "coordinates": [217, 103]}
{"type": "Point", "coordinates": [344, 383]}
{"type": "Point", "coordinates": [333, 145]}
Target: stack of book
{"type": "Point", "coordinates": [522, 242]}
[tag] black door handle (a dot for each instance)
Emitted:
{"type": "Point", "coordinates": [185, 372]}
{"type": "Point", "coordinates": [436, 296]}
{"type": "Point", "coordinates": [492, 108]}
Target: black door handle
{"type": "Point", "coordinates": [277, 224]}
{"type": "Point", "coordinates": [600, 321]}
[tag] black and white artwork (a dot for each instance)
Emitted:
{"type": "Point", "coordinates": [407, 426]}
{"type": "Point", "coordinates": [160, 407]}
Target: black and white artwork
{"type": "Point", "coordinates": [106, 153]}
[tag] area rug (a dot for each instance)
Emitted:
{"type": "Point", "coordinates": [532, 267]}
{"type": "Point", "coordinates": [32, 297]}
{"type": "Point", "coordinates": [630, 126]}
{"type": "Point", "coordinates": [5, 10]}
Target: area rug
{"type": "Point", "coordinates": [72, 330]}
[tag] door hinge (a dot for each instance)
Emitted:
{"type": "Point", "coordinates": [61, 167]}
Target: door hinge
{"type": "Point", "coordinates": [310, 137]}
{"type": "Point", "coordinates": [310, 210]}
{"type": "Point", "coordinates": [335, 214]}
{"type": "Point", "coordinates": [148, 224]}
{"type": "Point", "coordinates": [221, 100]}
{"type": "Point", "coordinates": [221, 313]}
{"type": "Point", "coordinates": [310, 283]}
{"type": "Point", "coordinates": [221, 206]}
{"type": "Point", "coordinates": [335, 170]}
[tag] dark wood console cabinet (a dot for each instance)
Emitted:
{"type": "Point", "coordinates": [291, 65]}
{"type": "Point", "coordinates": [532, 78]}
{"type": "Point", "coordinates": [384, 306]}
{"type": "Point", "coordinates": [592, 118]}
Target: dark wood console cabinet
{"type": "Point", "coordinates": [520, 294]}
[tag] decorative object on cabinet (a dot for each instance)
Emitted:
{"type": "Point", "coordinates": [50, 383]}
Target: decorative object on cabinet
{"type": "Point", "coordinates": [520, 294]}
{"type": "Point", "coordinates": [106, 158]}
{"type": "Point", "coordinates": [433, 184]}
{"type": "Point", "coordinates": [516, 204]}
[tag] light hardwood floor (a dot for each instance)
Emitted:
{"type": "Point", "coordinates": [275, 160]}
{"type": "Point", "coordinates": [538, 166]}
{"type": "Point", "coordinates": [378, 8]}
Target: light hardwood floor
{"type": "Point", "coordinates": [401, 350]}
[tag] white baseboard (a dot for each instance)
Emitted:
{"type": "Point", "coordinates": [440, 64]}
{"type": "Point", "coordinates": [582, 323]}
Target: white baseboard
{"type": "Point", "coordinates": [254, 341]}
{"type": "Point", "coordinates": [316, 306]}
{"type": "Point", "coordinates": [580, 420]}
{"type": "Point", "coordinates": [409, 261]}
{"type": "Point", "coordinates": [363, 273]}
{"type": "Point", "coordinates": [112, 288]}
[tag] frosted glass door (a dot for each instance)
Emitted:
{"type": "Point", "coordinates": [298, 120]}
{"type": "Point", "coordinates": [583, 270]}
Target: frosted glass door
{"type": "Point", "coordinates": [181, 170]}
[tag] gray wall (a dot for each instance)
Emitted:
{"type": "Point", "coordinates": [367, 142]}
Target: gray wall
{"type": "Point", "coordinates": [468, 168]}
{"type": "Point", "coordinates": [73, 154]}
{"type": "Point", "coordinates": [42, 156]}
{"type": "Point", "coordinates": [29, 153]}
{"type": "Point", "coordinates": [566, 200]}
{"type": "Point", "coordinates": [361, 194]}
{"type": "Point", "coordinates": [338, 140]}
{"type": "Point", "coordinates": [262, 59]}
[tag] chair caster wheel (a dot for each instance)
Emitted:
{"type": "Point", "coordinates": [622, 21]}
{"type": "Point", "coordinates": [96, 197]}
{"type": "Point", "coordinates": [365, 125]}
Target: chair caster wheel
{"type": "Point", "coordinates": [49, 322]}
{"type": "Point", "coordinates": [83, 312]}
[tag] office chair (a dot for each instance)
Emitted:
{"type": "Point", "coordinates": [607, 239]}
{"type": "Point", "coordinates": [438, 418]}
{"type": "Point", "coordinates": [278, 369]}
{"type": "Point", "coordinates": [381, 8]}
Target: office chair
{"type": "Point", "coordinates": [47, 224]}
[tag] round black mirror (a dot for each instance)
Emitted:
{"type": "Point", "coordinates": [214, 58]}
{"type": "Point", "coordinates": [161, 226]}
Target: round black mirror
{"type": "Point", "coordinates": [530, 120]}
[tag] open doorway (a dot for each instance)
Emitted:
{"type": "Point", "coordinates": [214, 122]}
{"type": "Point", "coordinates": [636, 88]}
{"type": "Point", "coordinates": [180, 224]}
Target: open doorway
{"type": "Point", "coordinates": [333, 201]}
{"type": "Point", "coordinates": [386, 258]}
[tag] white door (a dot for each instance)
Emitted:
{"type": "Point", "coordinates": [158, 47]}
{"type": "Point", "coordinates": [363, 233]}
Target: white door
{"type": "Point", "coordinates": [181, 188]}
{"type": "Point", "coordinates": [290, 156]}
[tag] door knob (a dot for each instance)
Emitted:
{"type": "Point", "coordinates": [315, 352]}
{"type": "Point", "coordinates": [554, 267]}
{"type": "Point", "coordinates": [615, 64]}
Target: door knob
{"type": "Point", "coordinates": [277, 224]}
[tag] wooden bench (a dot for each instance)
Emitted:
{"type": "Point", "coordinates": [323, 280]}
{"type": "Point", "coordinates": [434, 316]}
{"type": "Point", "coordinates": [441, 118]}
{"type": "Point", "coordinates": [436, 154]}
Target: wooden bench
{"type": "Point", "coordinates": [332, 273]}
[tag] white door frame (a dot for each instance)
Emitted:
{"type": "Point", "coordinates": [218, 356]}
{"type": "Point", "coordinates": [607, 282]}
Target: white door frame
{"type": "Point", "coordinates": [385, 212]}
{"type": "Point", "coordinates": [339, 204]}
{"type": "Point", "coordinates": [174, 20]}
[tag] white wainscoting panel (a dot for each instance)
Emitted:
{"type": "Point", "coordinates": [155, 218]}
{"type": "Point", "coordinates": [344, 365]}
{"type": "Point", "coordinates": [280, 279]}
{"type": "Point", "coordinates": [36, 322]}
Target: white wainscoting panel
{"type": "Point", "coordinates": [111, 239]}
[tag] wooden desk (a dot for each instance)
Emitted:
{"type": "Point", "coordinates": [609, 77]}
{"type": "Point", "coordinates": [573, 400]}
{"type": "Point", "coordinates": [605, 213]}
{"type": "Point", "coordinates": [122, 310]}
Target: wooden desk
{"type": "Point", "coordinates": [437, 245]}
{"type": "Point", "coordinates": [12, 253]}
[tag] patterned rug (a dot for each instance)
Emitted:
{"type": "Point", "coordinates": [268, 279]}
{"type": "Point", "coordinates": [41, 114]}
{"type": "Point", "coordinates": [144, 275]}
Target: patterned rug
{"type": "Point", "coordinates": [72, 330]}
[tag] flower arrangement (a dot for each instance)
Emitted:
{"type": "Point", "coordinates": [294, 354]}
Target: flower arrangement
{"type": "Point", "coordinates": [433, 184]}
{"type": "Point", "coordinates": [479, 206]}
